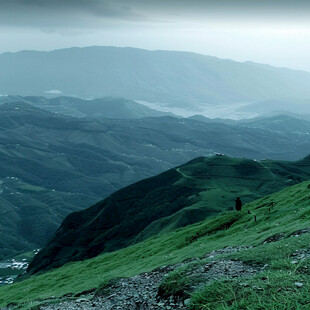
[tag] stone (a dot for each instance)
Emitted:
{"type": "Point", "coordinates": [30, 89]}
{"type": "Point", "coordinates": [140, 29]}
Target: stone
{"type": "Point", "coordinates": [82, 300]}
{"type": "Point", "coordinates": [299, 284]}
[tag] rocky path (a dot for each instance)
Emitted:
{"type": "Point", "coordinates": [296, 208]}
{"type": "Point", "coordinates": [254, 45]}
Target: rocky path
{"type": "Point", "coordinates": [141, 292]}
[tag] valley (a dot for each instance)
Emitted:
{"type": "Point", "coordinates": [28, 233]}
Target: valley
{"type": "Point", "coordinates": [154, 155]}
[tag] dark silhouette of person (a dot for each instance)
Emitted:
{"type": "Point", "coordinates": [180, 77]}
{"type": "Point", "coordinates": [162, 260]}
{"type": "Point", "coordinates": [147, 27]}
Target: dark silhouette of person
{"type": "Point", "coordinates": [238, 204]}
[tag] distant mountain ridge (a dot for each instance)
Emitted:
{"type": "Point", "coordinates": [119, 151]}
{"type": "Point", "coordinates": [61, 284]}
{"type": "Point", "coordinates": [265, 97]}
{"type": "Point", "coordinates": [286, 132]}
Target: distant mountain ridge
{"type": "Point", "coordinates": [173, 78]}
{"type": "Point", "coordinates": [175, 198]}
{"type": "Point", "coordinates": [277, 123]}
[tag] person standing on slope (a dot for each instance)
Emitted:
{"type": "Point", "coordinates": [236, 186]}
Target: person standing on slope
{"type": "Point", "coordinates": [238, 204]}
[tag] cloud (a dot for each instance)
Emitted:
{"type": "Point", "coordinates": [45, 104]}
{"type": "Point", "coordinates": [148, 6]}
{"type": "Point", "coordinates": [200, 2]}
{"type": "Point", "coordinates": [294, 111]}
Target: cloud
{"type": "Point", "coordinates": [96, 13]}
{"type": "Point", "coordinates": [64, 13]}
{"type": "Point", "coordinates": [268, 31]}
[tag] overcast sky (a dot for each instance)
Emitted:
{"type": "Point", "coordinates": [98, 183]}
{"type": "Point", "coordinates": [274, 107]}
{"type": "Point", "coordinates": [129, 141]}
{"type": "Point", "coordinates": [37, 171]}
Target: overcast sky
{"type": "Point", "coordinates": [266, 31]}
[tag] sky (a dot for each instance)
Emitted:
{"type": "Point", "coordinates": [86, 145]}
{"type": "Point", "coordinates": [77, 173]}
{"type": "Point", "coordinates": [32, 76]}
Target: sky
{"type": "Point", "coordinates": [275, 32]}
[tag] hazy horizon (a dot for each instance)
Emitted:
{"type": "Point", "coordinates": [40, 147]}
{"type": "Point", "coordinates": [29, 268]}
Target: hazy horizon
{"type": "Point", "coordinates": [153, 50]}
{"type": "Point", "coordinates": [265, 32]}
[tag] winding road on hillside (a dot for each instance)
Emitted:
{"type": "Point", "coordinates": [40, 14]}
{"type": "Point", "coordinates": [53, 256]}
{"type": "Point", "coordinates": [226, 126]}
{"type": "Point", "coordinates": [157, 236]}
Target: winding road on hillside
{"type": "Point", "coordinates": [184, 175]}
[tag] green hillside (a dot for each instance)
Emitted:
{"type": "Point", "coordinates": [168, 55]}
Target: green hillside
{"type": "Point", "coordinates": [276, 244]}
{"type": "Point", "coordinates": [203, 187]}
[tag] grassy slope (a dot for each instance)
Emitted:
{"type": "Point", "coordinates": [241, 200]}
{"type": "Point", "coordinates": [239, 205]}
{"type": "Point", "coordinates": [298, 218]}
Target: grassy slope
{"type": "Point", "coordinates": [178, 197]}
{"type": "Point", "coordinates": [291, 212]}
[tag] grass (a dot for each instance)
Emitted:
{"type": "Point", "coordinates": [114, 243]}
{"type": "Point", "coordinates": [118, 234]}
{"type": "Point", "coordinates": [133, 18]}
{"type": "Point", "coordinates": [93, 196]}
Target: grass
{"type": "Point", "coordinates": [289, 213]}
{"type": "Point", "coordinates": [274, 290]}
{"type": "Point", "coordinates": [9, 272]}
{"type": "Point", "coordinates": [28, 256]}
{"type": "Point", "coordinates": [175, 284]}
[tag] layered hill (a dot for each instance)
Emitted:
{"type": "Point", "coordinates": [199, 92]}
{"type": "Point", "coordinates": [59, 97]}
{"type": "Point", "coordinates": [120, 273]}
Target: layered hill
{"type": "Point", "coordinates": [167, 77]}
{"type": "Point", "coordinates": [52, 164]}
{"type": "Point", "coordinates": [115, 108]}
{"type": "Point", "coordinates": [176, 198]}
{"type": "Point", "coordinates": [279, 123]}
{"type": "Point", "coordinates": [228, 262]}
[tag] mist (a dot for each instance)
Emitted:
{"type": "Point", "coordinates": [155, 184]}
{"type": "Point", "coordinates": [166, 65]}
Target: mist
{"type": "Point", "coordinates": [266, 32]}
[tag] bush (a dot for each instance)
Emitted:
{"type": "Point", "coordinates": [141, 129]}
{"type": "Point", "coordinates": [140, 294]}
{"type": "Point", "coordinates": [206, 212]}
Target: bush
{"type": "Point", "coordinates": [175, 283]}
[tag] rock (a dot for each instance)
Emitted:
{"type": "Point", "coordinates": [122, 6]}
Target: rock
{"type": "Point", "coordinates": [187, 302]}
{"type": "Point", "coordinates": [299, 284]}
{"type": "Point", "coordinates": [111, 296]}
{"type": "Point", "coordinates": [82, 300]}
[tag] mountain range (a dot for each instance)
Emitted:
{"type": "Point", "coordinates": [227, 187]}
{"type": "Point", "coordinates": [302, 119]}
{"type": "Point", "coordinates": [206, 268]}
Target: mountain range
{"type": "Point", "coordinates": [168, 78]}
{"type": "Point", "coordinates": [53, 164]}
